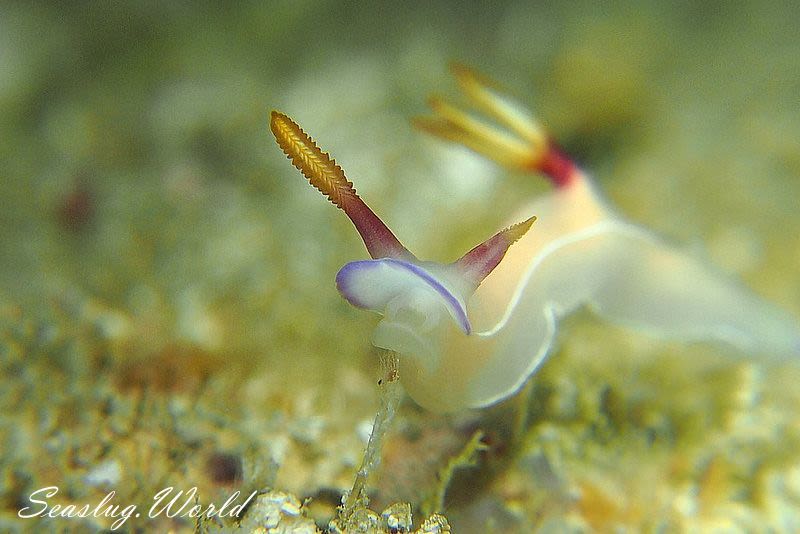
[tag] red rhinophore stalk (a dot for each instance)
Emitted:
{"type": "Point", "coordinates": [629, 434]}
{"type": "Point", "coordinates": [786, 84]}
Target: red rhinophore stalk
{"type": "Point", "coordinates": [479, 262]}
{"type": "Point", "coordinates": [323, 173]}
{"type": "Point", "coordinates": [379, 240]}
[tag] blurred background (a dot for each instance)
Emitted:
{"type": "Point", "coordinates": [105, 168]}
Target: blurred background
{"type": "Point", "coordinates": [166, 276]}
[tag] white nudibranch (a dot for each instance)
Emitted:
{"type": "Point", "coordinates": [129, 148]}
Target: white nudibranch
{"type": "Point", "coordinates": [472, 332]}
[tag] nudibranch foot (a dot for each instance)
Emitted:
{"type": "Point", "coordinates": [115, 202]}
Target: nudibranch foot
{"type": "Point", "coordinates": [667, 293]}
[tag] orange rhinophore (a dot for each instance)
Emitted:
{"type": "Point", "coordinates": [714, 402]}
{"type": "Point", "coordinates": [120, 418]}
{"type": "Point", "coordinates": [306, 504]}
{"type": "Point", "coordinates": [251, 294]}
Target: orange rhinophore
{"type": "Point", "coordinates": [324, 174]}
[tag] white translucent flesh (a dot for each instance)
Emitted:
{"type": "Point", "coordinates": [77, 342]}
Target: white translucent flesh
{"type": "Point", "coordinates": [663, 292]}
{"type": "Point", "coordinates": [580, 254]}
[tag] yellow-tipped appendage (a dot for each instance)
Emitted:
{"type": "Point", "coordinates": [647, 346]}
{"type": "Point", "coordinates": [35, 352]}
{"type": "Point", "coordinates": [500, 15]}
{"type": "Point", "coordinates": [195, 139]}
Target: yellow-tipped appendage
{"type": "Point", "coordinates": [479, 262]}
{"type": "Point", "coordinates": [317, 166]}
{"type": "Point", "coordinates": [522, 146]}
{"type": "Point", "coordinates": [514, 233]}
{"type": "Point", "coordinates": [478, 90]}
{"type": "Point", "coordinates": [323, 173]}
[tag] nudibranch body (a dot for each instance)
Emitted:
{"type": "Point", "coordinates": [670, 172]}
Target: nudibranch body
{"type": "Point", "coordinates": [472, 332]}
